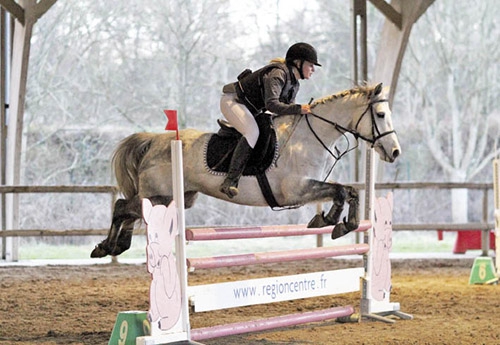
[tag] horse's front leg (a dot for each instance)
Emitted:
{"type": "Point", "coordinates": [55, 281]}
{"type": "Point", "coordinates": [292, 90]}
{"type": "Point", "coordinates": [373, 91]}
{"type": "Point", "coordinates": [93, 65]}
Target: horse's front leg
{"type": "Point", "coordinates": [340, 195]}
{"type": "Point", "coordinates": [332, 217]}
{"type": "Point", "coordinates": [352, 222]}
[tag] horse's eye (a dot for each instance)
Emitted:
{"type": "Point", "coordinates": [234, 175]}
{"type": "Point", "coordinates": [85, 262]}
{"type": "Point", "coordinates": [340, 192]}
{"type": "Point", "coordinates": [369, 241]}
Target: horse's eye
{"type": "Point", "coordinates": [381, 115]}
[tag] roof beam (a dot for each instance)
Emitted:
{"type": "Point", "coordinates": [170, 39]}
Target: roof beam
{"type": "Point", "coordinates": [389, 12]}
{"type": "Point", "coordinates": [13, 8]}
{"type": "Point", "coordinates": [393, 41]}
{"type": "Point", "coordinates": [41, 7]}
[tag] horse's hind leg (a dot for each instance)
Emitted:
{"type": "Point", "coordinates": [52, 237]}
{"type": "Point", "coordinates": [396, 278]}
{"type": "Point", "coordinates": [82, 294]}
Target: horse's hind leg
{"type": "Point", "coordinates": [126, 227]}
{"type": "Point", "coordinates": [125, 213]}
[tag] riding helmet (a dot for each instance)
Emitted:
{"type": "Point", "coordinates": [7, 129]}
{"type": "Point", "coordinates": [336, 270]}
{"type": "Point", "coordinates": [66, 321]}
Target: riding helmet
{"type": "Point", "coordinates": [302, 51]}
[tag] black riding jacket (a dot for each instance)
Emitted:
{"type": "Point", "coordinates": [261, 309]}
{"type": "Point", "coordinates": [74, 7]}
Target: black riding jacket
{"type": "Point", "coordinates": [273, 88]}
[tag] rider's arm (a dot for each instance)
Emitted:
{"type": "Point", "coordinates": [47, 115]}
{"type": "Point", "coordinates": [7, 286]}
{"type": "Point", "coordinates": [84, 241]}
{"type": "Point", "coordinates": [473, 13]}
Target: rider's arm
{"type": "Point", "coordinates": [274, 82]}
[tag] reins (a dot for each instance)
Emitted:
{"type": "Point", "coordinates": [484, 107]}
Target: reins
{"type": "Point", "coordinates": [342, 130]}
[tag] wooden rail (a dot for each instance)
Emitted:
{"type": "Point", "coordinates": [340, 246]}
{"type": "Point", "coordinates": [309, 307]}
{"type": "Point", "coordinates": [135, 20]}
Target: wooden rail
{"type": "Point", "coordinates": [58, 189]}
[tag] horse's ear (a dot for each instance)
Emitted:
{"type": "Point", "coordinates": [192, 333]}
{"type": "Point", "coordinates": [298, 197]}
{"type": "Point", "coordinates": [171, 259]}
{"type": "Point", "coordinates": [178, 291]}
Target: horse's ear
{"type": "Point", "coordinates": [378, 89]}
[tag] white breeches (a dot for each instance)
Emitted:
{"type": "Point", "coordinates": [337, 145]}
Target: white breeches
{"type": "Point", "coordinates": [240, 117]}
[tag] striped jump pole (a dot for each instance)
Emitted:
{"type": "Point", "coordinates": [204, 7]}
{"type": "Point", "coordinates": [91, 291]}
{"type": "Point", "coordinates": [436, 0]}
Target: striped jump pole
{"type": "Point", "coordinates": [229, 233]}
{"type": "Point", "coordinates": [274, 257]}
{"type": "Point", "coordinates": [271, 323]}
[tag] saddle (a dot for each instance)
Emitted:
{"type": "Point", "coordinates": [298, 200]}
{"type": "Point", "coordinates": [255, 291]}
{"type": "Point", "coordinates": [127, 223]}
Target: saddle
{"type": "Point", "coordinates": [221, 146]}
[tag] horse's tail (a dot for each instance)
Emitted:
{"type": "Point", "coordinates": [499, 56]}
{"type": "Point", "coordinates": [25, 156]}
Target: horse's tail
{"type": "Point", "coordinates": [126, 160]}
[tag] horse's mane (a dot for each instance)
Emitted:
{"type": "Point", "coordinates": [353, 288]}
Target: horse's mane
{"type": "Point", "coordinates": [357, 91]}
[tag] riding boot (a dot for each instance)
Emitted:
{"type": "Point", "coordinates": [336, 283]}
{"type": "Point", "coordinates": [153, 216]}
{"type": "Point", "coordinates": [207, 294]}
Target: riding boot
{"type": "Point", "coordinates": [239, 160]}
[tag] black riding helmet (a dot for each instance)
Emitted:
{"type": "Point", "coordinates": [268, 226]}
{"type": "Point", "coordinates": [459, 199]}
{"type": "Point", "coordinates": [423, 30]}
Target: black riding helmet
{"type": "Point", "coordinates": [304, 52]}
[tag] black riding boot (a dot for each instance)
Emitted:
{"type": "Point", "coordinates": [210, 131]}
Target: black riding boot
{"type": "Point", "coordinates": [239, 160]}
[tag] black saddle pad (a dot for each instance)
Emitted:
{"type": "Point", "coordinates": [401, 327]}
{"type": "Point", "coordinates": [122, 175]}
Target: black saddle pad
{"type": "Point", "coordinates": [221, 145]}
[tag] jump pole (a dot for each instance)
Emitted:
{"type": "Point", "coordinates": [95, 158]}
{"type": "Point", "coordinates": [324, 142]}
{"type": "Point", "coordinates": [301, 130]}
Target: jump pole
{"type": "Point", "coordinates": [271, 323]}
{"type": "Point", "coordinates": [276, 257]}
{"type": "Point", "coordinates": [229, 233]}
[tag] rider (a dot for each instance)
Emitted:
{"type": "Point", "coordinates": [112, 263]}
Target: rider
{"type": "Point", "coordinates": [271, 88]}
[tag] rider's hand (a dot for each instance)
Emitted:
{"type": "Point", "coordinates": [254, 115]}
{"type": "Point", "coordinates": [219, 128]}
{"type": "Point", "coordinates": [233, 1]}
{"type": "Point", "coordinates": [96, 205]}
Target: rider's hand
{"type": "Point", "coordinates": [305, 109]}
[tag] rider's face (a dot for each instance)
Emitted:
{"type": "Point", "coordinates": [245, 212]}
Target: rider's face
{"type": "Point", "coordinates": [307, 69]}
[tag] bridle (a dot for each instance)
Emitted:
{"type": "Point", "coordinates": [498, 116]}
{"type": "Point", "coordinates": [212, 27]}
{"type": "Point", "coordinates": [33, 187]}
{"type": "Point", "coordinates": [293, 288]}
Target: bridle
{"type": "Point", "coordinates": [376, 134]}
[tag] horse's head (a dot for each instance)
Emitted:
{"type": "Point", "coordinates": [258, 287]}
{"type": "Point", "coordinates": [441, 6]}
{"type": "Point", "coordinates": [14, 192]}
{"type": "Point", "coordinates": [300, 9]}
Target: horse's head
{"type": "Point", "coordinates": [364, 112]}
{"type": "Point", "coordinates": [374, 125]}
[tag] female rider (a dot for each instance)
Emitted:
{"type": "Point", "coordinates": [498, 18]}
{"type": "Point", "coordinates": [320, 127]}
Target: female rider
{"type": "Point", "coordinates": [272, 88]}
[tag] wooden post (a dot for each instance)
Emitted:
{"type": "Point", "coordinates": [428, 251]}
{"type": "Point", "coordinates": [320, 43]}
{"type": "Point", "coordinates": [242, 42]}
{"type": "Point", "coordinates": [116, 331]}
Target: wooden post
{"type": "Point", "coordinates": [26, 13]}
{"type": "Point", "coordinates": [19, 74]}
{"type": "Point", "coordinates": [4, 66]}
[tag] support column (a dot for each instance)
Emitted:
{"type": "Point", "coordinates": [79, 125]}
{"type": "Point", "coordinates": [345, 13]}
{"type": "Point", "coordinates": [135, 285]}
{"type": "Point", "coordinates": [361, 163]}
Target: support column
{"type": "Point", "coordinates": [359, 76]}
{"type": "Point", "coordinates": [26, 13]}
{"type": "Point", "coordinates": [396, 31]}
{"type": "Point", "coordinates": [5, 50]}
{"type": "Point", "coordinates": [19, 70]}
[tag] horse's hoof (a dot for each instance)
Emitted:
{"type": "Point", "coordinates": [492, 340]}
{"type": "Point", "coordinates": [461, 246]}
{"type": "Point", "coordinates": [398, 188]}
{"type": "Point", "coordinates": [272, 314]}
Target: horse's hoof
{"type": "Point", "coordinates": [118, 250]}
{"type": "Point", "coordinates": [343, 229]}
{"type": "Point", "coordinates": [318, 221]}
{"type": "Point", "coordinates": [339, 230]}
{"type": "Point", "coordinates": [350, 226]}
{"type": "Point", "coordinates": [98, 252]}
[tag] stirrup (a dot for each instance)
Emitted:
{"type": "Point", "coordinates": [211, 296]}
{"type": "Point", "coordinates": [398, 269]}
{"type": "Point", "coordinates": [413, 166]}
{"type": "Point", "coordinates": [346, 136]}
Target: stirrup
{"type": "Point", "coordinates": [229, 187]}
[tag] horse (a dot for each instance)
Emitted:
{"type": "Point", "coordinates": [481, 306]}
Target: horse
{"type": "Point", "coordinates": [143, 167]}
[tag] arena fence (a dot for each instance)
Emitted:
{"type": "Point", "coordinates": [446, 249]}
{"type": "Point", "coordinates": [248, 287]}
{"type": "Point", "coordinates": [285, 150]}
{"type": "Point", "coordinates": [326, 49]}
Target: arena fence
{"type": "Point", "coordinates": [485, 225]}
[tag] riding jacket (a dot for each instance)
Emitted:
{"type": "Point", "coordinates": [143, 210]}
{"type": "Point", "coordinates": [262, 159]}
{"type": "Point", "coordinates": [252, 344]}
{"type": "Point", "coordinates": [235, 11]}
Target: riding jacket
{"type": "Point", "coordinates": [273, 88]}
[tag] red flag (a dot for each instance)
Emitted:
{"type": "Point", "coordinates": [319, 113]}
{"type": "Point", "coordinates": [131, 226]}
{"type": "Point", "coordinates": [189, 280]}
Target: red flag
{"type": "Point", "coordinates": [172, 121]}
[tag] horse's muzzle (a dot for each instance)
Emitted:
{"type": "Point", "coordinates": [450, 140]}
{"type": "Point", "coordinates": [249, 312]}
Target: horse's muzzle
{"type": "Point", "coordinates": [396, 153]}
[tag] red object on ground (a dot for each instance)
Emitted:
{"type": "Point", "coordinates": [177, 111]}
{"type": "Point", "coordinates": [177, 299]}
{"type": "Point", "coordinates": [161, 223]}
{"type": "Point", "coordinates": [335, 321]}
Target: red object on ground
{"type": "Point", "coordinates": [468, 239]}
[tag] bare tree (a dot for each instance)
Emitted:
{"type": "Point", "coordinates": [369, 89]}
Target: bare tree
{"type": "Point", "coordinates": [451, 80]}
